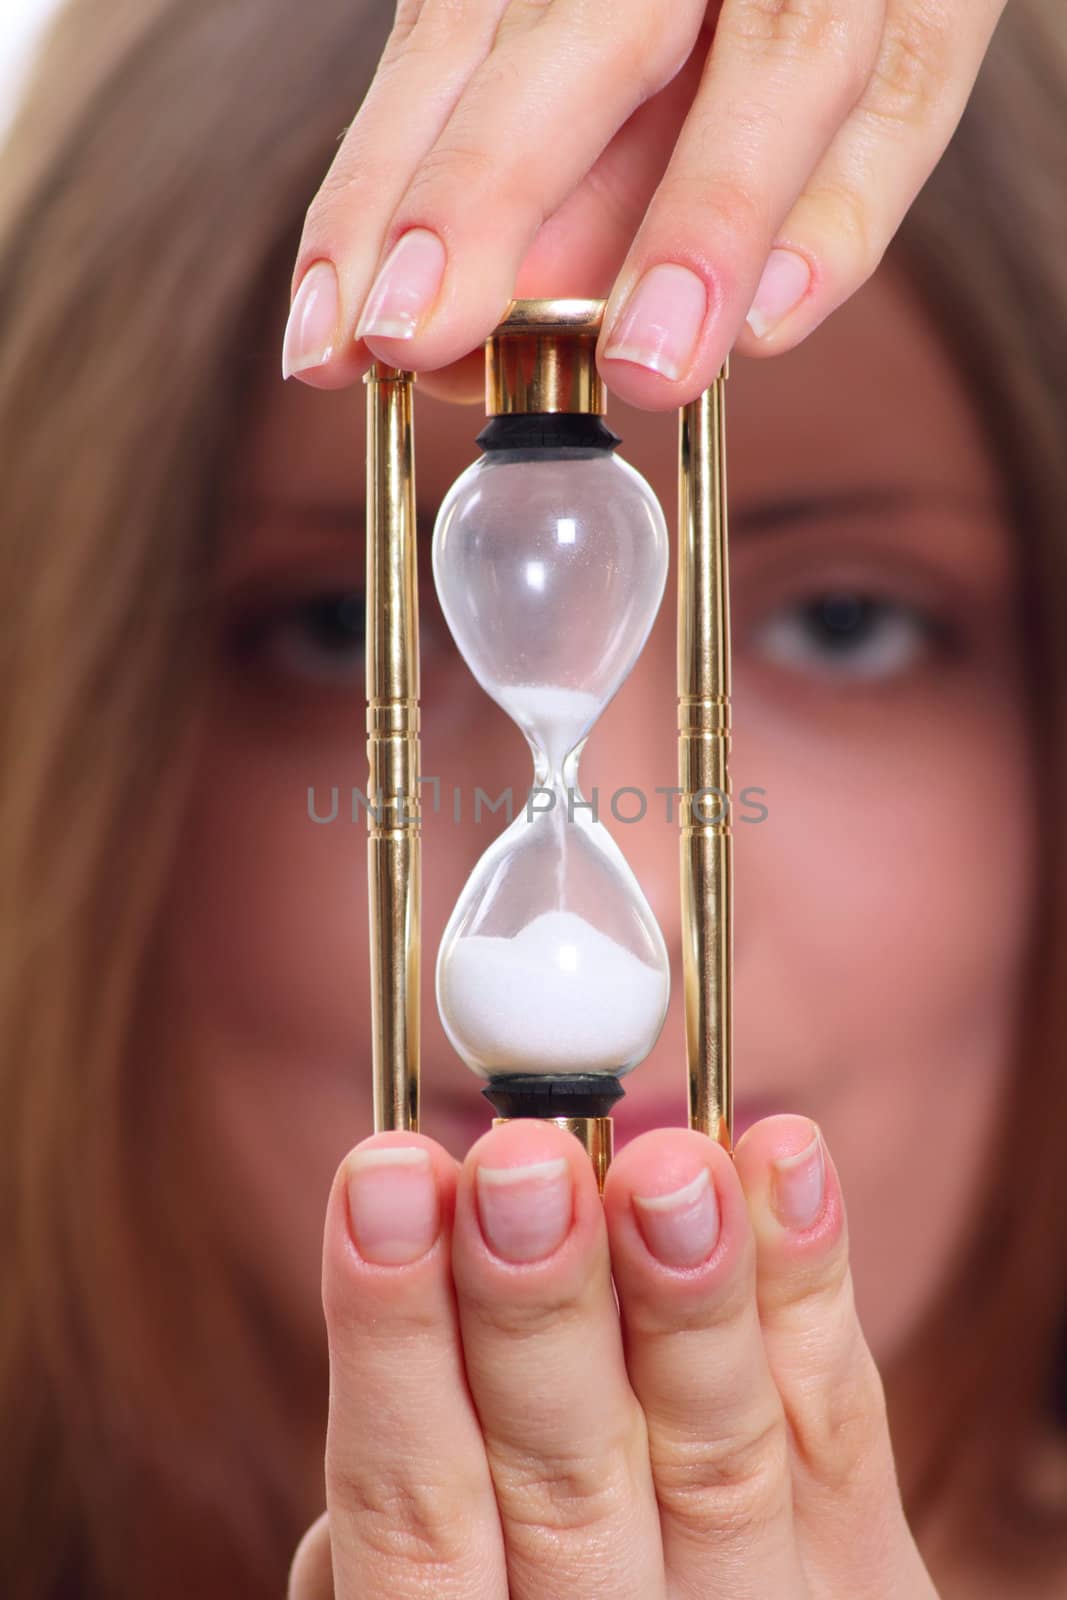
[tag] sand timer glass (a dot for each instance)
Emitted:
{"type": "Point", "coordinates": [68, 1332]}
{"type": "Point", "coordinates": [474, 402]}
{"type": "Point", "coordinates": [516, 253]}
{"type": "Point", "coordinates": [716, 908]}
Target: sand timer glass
{"type": "Point", "coordinates": [550, 557]}
{"type": "Point", "coordinates": [550, 560]}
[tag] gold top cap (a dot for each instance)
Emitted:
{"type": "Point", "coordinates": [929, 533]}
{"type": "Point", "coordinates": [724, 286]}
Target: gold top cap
{"type": "Point", "coordinates": [542, 358]}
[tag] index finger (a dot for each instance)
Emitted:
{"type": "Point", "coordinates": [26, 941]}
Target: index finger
{"type": "Point", "coordinates": [473, 203]}
{"type": "Point", "coordinates": [427, 62]}
{"type": "Point", "coordinates": [408, 1492]}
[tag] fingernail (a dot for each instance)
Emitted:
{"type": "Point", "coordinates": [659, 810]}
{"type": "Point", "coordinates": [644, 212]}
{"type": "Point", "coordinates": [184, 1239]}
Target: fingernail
{"type": "Point", "coordinates": [659, 326]}
{"type": "Point", "coordinates": [785, 281]}
{"type": "Point", "coordinates": [405, 288]}
{"type": "Point", "coordinates": [799, 1185]}
{"type": "Point", "coordinates": [525, 1212]}
{"type": "Point", "coordinates": [392, 1203]}
{"type": "Point", "coordinates": [681, 1228]}
{"type": "Point", "coordinates": [311, 330]}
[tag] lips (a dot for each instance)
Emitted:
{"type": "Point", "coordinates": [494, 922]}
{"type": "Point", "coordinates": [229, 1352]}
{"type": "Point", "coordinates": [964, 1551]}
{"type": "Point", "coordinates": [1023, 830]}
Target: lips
{"type": "Point", "coordinates": [633, 1117]}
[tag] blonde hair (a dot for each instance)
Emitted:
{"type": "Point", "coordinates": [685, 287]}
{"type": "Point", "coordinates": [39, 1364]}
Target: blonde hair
{"type": "Point", "coordinates": [149, 208]}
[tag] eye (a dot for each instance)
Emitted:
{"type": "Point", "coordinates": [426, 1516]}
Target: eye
{"type": "Point", "coordinates": [319, 638]}
{"type": "Point", "coordinates": [846, 634]}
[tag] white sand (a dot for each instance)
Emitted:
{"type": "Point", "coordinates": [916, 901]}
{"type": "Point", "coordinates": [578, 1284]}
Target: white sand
{"type": "Point", "coordinates": [558, 997]}
{"type": "Point", "coordinates": [557, 718]}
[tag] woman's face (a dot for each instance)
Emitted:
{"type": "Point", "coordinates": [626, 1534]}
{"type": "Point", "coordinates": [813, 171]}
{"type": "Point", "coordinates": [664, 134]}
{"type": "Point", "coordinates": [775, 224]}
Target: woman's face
{"type": "Point", "coordinates": [884, 869]}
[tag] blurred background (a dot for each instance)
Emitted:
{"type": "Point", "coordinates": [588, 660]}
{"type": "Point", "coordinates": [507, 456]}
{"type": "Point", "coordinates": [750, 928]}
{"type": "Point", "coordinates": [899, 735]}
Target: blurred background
{"type": "Point", "coordinates": [20, 30]}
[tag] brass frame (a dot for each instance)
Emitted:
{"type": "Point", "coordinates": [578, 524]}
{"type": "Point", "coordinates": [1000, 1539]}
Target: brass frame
{"type": "Point", "coordinates": [703, 762]}
{"type": "Point", "coordinates": [542, 358]}
{"type": "Point", "coordinates": [703, 725]}
{"type": "Point", "coordinates": [394, 845]}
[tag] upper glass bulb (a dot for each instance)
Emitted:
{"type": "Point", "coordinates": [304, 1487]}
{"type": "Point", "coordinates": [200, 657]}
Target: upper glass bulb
{"type": "Point", "coordinates": [550, 565]}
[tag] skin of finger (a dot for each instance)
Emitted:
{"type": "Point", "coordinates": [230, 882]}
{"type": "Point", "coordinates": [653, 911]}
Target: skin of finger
{"type": "Point", "coordinates": [770, 102]}
{"type": "Point", "coordinates": [462, 384]}
{"type": "Point", "coordinates": [850, 1523]}
{"type": "Point", "coordinates": [311, 1572]}
{"type": "Point", "coordinates": [880, 158]}
{"type": "Point", "coordinates": [564, 1434]}
{"type": "Point", "coordinates": [491, 179]}
{"type": "Point", "coordinates": [581, 247]}
{"type": "Point", "coordinates": [717, 1436]}
{"type": "Point", "coordinates": [408, 1491]}
{"type": "Point", "coordinates": [424, 69]}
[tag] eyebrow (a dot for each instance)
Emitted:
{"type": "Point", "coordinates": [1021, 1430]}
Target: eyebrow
{"type": "Point", "coordinates": [778, 514]}
{"type": "Point", "coordinates": [782, 513]}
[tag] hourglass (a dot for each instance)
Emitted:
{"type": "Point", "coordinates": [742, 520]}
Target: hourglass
{"type": "Point", "coordinates": [550, 558]}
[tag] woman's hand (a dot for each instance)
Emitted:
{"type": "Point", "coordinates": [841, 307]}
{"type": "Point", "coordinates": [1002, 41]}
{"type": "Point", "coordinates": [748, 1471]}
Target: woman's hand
{"type": "Point", "coordinates": [499, 1430]}
{"type": "Point", "coordinates": [730, 172]}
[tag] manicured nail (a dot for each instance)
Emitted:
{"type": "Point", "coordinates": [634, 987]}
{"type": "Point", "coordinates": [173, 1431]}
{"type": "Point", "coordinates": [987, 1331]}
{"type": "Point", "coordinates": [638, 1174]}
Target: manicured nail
{"type": "Point", "coordinates": [525, 1212]}
{"type": "Point", "coordinates": [785, 281]}
{"type": "Point", "coordinates": [659, 326]}
{"type": "Point", "coordinates": [311, 332]}
{"type": "Point", "coordinates": [405, 288]}
{"type": "Point", "coordinates": [681, 1228]}
{"type": "Point", "coordinates": [392, 1203]}
{"type": "Point", "coordinates": [800, 1185]}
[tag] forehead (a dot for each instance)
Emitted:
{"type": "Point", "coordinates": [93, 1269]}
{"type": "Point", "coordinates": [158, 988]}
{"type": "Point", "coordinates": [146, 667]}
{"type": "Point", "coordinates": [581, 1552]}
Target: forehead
{"type": "Point", "coordinates": [872, 395]}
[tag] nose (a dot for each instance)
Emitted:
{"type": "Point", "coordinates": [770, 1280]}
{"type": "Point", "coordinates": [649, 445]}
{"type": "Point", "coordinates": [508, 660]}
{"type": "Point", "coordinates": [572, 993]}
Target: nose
{"type": "Point", "coordinates": [633, 753]}
{"type": "Point", "coordinates": [633, 761]}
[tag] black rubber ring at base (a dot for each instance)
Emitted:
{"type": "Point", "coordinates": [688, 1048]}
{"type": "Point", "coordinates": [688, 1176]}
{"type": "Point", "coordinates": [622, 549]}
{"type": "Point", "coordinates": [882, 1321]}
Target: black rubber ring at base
{"type": "Point", "coordinates": [547, 431]}
{"type": "Point", "coordinates": [589, 1094]}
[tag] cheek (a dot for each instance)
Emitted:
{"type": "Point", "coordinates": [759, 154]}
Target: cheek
{"type": "Point", "coordinates": [268, 921]}
{"type": "Point", "coordinates": [883, 907]}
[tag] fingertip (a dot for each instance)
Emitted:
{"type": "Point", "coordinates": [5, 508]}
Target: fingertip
{"type": "Point", "coordinates": [638, 386]}
{"type": "Point", "coordinates": [779, 340]}
{"type": "Point", "coordinates": [443, 344]}
{"type": "Point", "coordinates": [462, 383]}
{"type": "Point", "coordinates": [664, 337]}
{"type": "Point", "coordinates": [796, 292]}
{"type": "Point", "coordinates": [440, 325]}
{"type": "Point", "coordinates": [524, 1141]}
{"type": "Point", "coordinates": [782, 1134]}
{"type": "Point", "coordinates": [391, 1197]}
{"type": "Point", "coordinates": [790, 1184]}
{"type": "Point", "coordinates": [341, 370]}
{"type": "Point", "coordinates": [527, 1192]}
{"type": "Point", "coordinates": [785, 283]}
{"type": "Point", "coordinates": [406, 288]}
{"type": "Point", "coordinates": [311, 1569]}
{"type": "Point", "coordinates": [661, 1160]}
{"type": "Point", "coordinates": [444, 1164]}
{"type": "Point", "coordinates": [313, 329]}
{"type": "Point", "coordinates": [671, 1195]}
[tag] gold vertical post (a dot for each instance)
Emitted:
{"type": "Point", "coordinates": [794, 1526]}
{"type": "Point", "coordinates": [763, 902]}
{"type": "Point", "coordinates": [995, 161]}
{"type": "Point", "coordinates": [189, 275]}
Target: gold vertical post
{"type": "Point", "coordinates": [393, 812]}
{"type": "Point", "coordinates": [703, 759]}
{"type": "Point", "coordinates": [596, 1135]}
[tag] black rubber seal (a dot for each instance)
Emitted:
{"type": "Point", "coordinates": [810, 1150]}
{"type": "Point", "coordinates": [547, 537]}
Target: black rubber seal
{"type": "Point", "coordinates": [590, 1094]}
{"type": "Point", "coordinates": [548, 430]}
